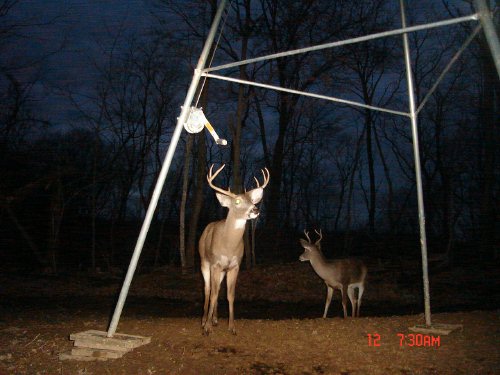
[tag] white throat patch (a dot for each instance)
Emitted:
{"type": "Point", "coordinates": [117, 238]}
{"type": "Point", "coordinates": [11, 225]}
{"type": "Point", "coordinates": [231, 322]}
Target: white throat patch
{"type": "Point", "coordinates": [239, 223]}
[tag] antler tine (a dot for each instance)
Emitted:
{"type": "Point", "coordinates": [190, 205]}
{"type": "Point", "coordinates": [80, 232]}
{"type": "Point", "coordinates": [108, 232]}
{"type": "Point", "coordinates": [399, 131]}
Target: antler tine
{"type": "Point", "coordinates": [256, 181]}
{"type": "Point", "coordinates": [320, 234]}
{"type": "Point", "coordinates": [211, 175]}
{"type": "Point", "coordinates": [210, 178]}
{"type": "Point", "coordinates": [307, 236]}
{"type": "Point", "coordinates": [266, 175]}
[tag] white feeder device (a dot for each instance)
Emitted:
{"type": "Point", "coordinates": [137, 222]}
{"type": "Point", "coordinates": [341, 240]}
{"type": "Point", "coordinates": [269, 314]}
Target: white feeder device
{"type": "Point", "coordinates": [197, 121]}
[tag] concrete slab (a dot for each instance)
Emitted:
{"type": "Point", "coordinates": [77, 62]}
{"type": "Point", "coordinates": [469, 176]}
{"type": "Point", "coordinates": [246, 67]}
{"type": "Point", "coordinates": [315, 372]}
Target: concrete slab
{"type": "Point", "coordinates": [97, 353]}
{"type": "Point", "coordinates": [436, 328]}
{"type": "Point", "coordinates": [93, 345]}
{"type": "Point", "coordinates": [99, 340]}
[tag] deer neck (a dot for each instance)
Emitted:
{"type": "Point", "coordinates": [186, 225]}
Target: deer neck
{"type": "Point", "coordinates": [234, 227]}
{"type": "Point", "coordinates": [318, 262]}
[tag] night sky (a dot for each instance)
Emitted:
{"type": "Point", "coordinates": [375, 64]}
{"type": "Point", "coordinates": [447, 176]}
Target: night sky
{"type": "Point", "coordinates": [76, 34]}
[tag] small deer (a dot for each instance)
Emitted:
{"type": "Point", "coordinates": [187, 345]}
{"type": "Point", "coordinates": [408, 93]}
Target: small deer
{"type": "Point", "coordinates": [221, 246]}
{"type": "Point", "coordinates": [343, 274]}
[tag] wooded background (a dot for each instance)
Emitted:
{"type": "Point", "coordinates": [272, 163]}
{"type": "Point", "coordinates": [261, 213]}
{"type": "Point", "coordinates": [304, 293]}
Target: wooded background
{"type": "Point", "coordinates": [73, 195]}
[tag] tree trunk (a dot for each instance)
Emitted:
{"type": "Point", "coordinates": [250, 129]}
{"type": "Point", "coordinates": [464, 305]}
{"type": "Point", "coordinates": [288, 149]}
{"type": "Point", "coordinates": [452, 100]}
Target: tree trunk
{"type": "Point", "coordinates": [25, 234]}
{"type": "Point", "coordinates": [273, 202]}
{"type": "Point", "coordinates": [490, 102]}
{"type": "Point", "coordinates": [182, 213]}
{"type": "Point", "coordinates": [197, 200]}
{"type": "Point", "coordinates": [371, 171]}
{"type": "Point", "coordinates": [56, 216]}
{"type": "Point", "coordinates": [350, 191]}
{"type": "Point", "coordinates": [241, 108]}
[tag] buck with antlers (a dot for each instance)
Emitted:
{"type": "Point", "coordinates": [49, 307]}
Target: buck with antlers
{"type": "Point", "coordinates": [344, 274]}
{"type": "Point", "coordinates": [221, 246]}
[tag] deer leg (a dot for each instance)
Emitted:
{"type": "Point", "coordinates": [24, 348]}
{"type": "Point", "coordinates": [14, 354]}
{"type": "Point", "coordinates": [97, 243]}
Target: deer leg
{"type": "Point", "coordinates": [344, 300]}
{"type": "Point", "coordinates": [329, 295]}
{"type": "Point", "coordinates": [352, 298]}
{"type": "Point", "coordinates": [215, 272]}
{"type": "Point", "coordinates": [214, 317]}
{"type": "Point", "coordinates": [361, 289]}
{"type": "Point", "coordinates": [205, 271]}
{"type": "Point", "coordinates": [232, 275]}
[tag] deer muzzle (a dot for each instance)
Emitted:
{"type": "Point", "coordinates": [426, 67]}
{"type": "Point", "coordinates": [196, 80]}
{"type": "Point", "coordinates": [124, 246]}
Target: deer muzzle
{"type": "Point", "coordinates": [254, 212]}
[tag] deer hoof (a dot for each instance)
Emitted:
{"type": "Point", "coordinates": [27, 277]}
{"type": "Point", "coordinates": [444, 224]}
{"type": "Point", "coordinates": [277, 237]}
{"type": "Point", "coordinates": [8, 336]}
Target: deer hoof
{"type": "Point", "coordinates": [203, 321]}
{"type": "Point", "coordinates": [214, 322]}
{"type": "Point", "coordinates": [207, 329]}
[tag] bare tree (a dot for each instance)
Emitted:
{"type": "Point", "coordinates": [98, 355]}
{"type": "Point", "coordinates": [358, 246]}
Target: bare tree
{"type": "Point", "coordinates": [287, 26]}
{"type": "Point", "coordinates": [21, 119]}
{"type": "Point", "coordinates": [369, 63]}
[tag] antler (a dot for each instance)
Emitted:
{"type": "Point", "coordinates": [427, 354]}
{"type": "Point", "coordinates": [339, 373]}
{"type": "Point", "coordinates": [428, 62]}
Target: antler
{"type": "Point", "coordinates": [320, 234]}
{"type": "Point", "coordinates": [267, 175]}
{"type": "Point", "coordinates": [307, 236]}
{"type": "Point", "coordinates": [211, 176]}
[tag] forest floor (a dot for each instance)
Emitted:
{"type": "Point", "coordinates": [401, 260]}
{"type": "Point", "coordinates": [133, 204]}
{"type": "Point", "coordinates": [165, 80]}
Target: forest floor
{"type": "Point", "coordinates": [278, 321]}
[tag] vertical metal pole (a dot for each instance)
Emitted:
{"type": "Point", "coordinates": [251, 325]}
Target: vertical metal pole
{"type": "Point", "coordinates": [418, 173]}
{"type": "Point", "coordinates": [490, 32]}
{"type": "Point", "coordinates": [164, 170]}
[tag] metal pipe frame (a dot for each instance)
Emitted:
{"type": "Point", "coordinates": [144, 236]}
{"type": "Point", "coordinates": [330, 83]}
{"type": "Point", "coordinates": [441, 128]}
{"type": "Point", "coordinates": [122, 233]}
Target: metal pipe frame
{"type": "Point", "coordinates": [486, 19]}
{"type": "Point", "coordinates": [418, 171]}
{"type": "Point", "coordinates": [402, 30]}
{"type": "Point", "coordinates": [471, 17]}
{"type": "Point", "coordinates": [448, 67]}
{"type": "Point", "coordinates": [164, 170]}
{"type": "Point", "coordinates": [304, 93]}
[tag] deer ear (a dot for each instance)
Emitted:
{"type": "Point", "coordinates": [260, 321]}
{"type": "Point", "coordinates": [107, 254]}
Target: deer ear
{"type": "Point", "coordinates": [304, 243]}
{"type": "Point", "coordinates": [256, 195]}
{"type": "Point", "coordinates": [224, 200]}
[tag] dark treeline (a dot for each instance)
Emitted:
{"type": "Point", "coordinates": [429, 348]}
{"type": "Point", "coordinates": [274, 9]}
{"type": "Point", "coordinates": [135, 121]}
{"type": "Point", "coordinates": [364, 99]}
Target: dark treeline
{"type": "Point", "coordinates": [74, 196]}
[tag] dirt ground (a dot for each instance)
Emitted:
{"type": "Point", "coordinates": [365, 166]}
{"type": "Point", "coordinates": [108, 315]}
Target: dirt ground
{"type": "Point", "coordinates": [279, 329]}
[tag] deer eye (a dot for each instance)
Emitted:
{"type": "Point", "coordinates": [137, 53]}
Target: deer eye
{"type": "Point", "coordinates": [237, 201]}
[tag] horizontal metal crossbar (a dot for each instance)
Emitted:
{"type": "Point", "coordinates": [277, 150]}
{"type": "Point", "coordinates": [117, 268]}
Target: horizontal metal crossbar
{"type": "Point", "coordinates": [472, 17]}
{"type": "Point", "coordinates": [312, 95]}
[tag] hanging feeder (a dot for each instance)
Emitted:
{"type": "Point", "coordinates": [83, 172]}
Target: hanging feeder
{"type": "Point", "coordinates": [197, 121]}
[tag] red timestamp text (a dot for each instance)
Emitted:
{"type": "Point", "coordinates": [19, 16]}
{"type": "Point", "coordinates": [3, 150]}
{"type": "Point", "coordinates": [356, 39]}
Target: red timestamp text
{"type": "Point", "coordinates": [410, 339]}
